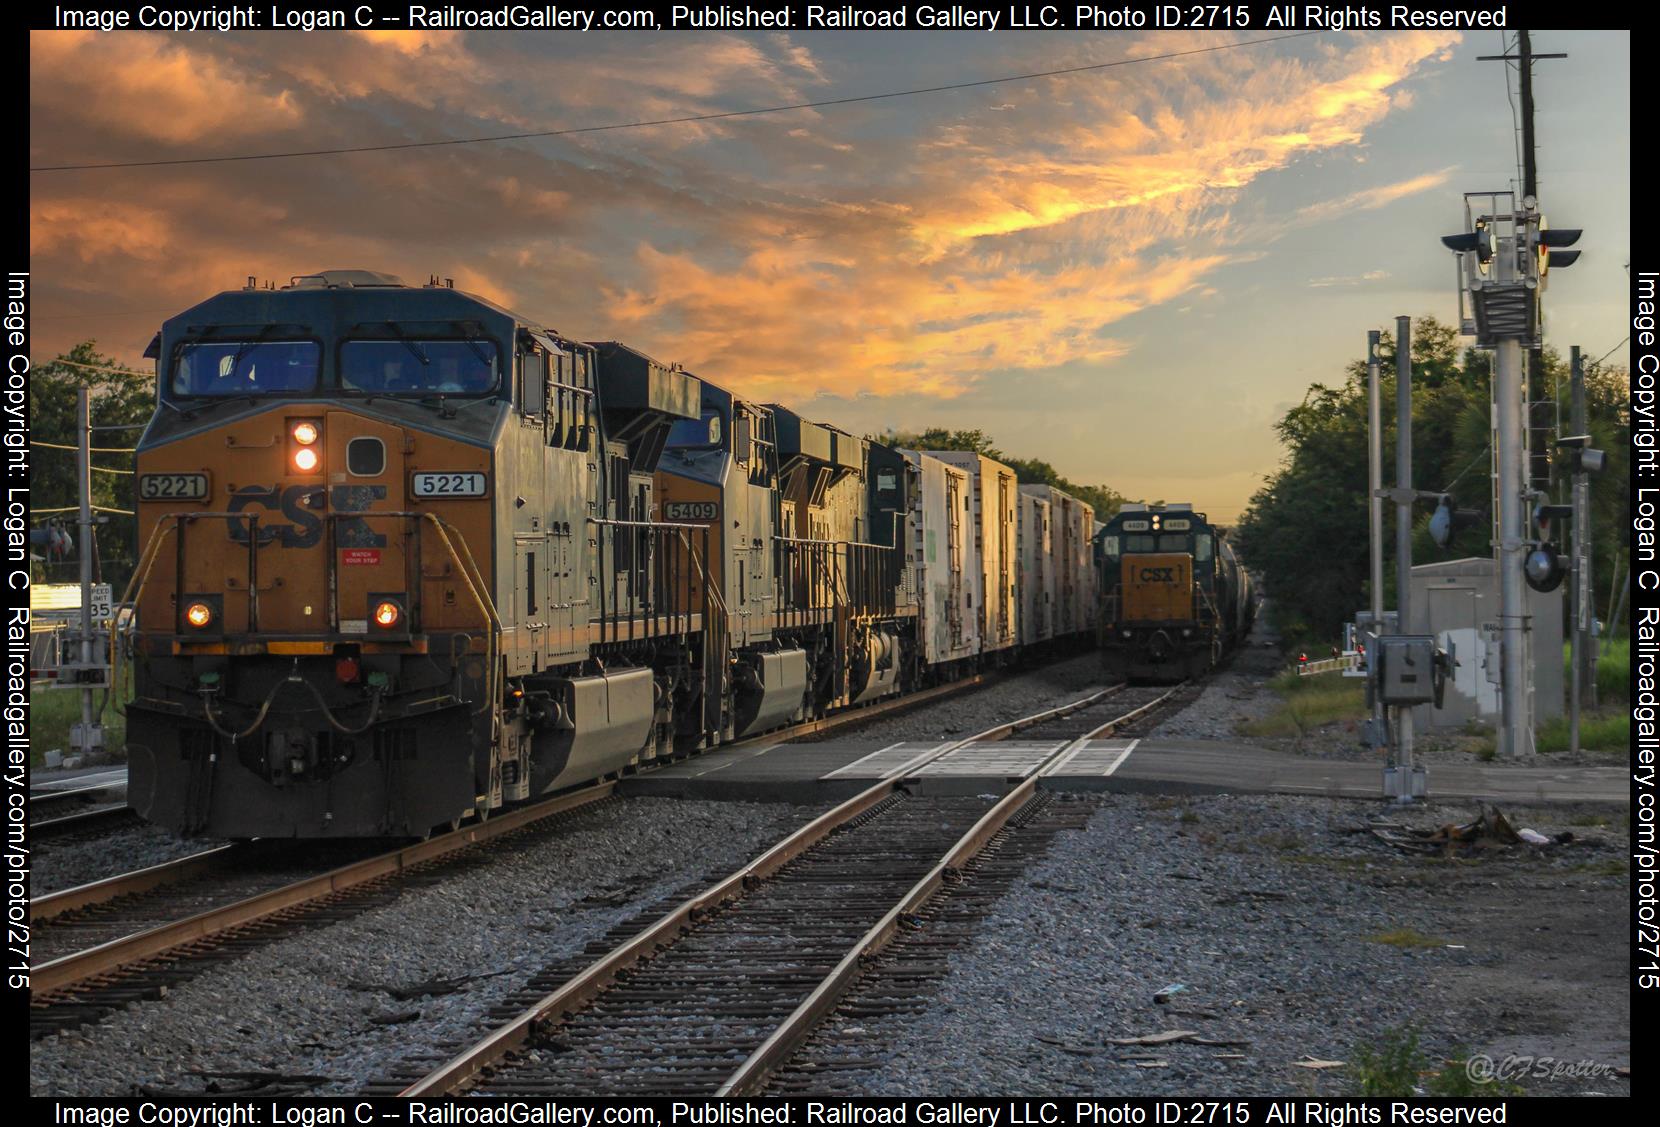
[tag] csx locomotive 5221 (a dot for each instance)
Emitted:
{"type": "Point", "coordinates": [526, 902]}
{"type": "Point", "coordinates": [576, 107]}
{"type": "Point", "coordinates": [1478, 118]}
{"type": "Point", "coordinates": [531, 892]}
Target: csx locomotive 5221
{"type": "Point", "coordinates": [1173, 595]}
{"type": "Point", "coordinates": [406, 556]}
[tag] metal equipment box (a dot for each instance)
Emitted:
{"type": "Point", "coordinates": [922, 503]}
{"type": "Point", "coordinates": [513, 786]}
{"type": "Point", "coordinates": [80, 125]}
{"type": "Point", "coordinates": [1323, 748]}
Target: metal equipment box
{"type": "Point", "coordinates": [1406, 668]}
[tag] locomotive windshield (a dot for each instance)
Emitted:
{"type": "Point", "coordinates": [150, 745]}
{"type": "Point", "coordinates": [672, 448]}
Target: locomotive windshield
{"type": "Point", "coordinates": [697, 434]}
{"type": "Point", "coordinates": [418, 367]}
{"type": "Point", "coordinates": [279, 367]}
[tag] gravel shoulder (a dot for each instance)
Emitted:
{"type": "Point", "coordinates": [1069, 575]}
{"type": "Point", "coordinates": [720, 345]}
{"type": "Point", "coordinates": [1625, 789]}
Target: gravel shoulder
{"type": "Point", "coordinates": [1292, 937]}
{"type": "Point", "coordinates": [334, 1002]}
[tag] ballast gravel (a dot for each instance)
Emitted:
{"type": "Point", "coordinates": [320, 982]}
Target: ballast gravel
{"type": "Point", "coordinates": [325, 1003]}
{"type": "Point", "coordinates": [1019, 693]}
{"type": "Point", "coordinates": [67, 864]}
{"type": "Point", "coordinates": [1283, 936]}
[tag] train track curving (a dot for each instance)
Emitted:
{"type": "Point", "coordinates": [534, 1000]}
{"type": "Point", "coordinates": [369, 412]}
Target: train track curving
{"type": "Point", "coordinates": [720, 991]}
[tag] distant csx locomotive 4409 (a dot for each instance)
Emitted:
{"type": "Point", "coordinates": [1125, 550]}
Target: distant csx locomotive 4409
{"type": "Point", "coordinates": [406, 556]}
{"type": "Point", "coordinates": [1173, 595]}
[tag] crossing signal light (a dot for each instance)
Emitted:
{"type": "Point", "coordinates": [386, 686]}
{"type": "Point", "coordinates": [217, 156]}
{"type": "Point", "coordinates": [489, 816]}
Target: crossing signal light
{"type": "Point", "coordinates": [1549, 244]}
{"type": "Point", "coordinates": [1546, 515]}
{"type": "Point", "coordinates": [1478, 242]}
{"type": "Point", "coordinates": [1545, 567]}
{"type": "Point", "coordinates": [55, 543]}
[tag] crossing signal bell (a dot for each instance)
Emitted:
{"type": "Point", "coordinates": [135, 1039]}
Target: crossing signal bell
{"type": "Point", "coordinates": [1582, 456]}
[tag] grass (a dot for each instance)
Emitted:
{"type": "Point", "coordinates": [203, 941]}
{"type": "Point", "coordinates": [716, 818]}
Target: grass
{"type": "Point", "coordinates": [1603, 730]}
{"type": "Point", "coordinates": [1613, 669]}
{"type": "Point", "coordinates": [1308, 703]}
{"type": "Point", "coordinates": [1396, 1065]}
{"type": "Point", "coordinates": [52, 712]}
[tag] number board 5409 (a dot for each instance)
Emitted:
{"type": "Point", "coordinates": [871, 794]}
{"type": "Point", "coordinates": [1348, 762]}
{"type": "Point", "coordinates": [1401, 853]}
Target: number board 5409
{"type": "Point", "coordinates": [691, 510]}
{"type": "Point", "coordinates": [448, 485]}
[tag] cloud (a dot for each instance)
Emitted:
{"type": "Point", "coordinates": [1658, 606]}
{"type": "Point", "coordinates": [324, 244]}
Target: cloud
{"type": "Point", "coordinates": [1369, 199]}
{"type": "Point", "coordinates": [1011, 242]}
{"type": "Point", "coordinates": [1349, 280]}
{"type": "Point", "coordinates": [147, 88]}
{"type": "Point", "coordinates": [914, 247]}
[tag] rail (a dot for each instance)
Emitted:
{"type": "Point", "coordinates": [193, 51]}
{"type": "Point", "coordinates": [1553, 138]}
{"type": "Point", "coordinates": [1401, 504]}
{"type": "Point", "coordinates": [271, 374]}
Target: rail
{"type": "Point", "coordinates": [783, 1042]}
{"type": "Point", "coordinates": [71, 970]}
{"type": "Point", "coordinates": [582, 989]}
{"type": "Point", "coordinates": [115, 957]}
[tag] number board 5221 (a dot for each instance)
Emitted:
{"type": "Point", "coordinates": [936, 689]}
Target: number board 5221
{"type": "Point", "coordinates": [172, 486]}
{"type": "Point", "coordinates": [448, 485]}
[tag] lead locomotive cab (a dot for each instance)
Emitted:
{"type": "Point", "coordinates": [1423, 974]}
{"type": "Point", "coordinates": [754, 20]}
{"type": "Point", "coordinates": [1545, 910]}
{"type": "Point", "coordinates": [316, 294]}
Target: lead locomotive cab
{"type": "Point", "coordinates": [396, 564]}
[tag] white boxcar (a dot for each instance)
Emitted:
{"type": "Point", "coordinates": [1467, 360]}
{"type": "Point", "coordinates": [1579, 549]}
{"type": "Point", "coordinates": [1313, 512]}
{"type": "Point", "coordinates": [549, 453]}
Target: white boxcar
{"type": "Point", "coordinates": [995, 517]}
{"type": "Point", "coordinates": [1071, 539]}
{"type": "Point", "coordinates": [1037, 569]}
{"type": "Point", "coordinates": [944, 560]}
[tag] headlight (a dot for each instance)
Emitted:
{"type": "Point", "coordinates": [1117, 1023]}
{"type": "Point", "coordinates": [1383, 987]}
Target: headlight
{"type": "Point", "coordinates": [305, 433]}
{"type": "Point", "coordinates": [387, 614]}
{"type": "Point", "coordinates": [305, 459]}
{"type": "Point", "coordinates": [199, 615]}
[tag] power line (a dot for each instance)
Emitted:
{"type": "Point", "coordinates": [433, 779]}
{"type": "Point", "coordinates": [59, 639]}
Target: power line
{"type": "Point", "coordinates": [77, 508]}
{"type": "Point", "coordinates": [1610, 352]}
{"type": "Point", "coordinates": [76, 449]}
{"type": "Point", "coordinates": [683, 120]}
{"type": "Point", "coordinates": [92, 367]}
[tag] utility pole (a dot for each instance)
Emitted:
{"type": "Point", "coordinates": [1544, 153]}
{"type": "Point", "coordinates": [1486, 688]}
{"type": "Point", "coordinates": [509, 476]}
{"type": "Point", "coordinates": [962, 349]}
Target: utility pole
{"type": "Point", "coordinates": [1374, 493]}
{"type": "Point", "coordinates": [1538, 459]}
{"type": "Point", "coordinates": [1585, 588]}
{"type": "Point", "coordinates": [1576, 594]}
{"type": "Point", "coordinates": [1404, 497]}
{"type": "Point", "coordinates": [87, 736]}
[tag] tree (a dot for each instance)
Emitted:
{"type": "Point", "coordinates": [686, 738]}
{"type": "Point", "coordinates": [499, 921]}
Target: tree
{"type": "Point", "coordinates": [117, 398]}
{"type": "Point", "coordinates": [1305, 532]}
{"type": "Point", "coordinates": [1029, 471]}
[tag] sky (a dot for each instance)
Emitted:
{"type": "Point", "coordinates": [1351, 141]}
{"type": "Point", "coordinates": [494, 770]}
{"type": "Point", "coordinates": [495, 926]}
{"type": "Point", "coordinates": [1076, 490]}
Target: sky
{"type": "Point", "coordinates": [1131, 272]}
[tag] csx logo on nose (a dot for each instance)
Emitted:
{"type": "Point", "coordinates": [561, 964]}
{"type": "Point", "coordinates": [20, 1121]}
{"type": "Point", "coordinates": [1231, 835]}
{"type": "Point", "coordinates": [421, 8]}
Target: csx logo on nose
{"type": "Point", "coordinates": [1158, 575]}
